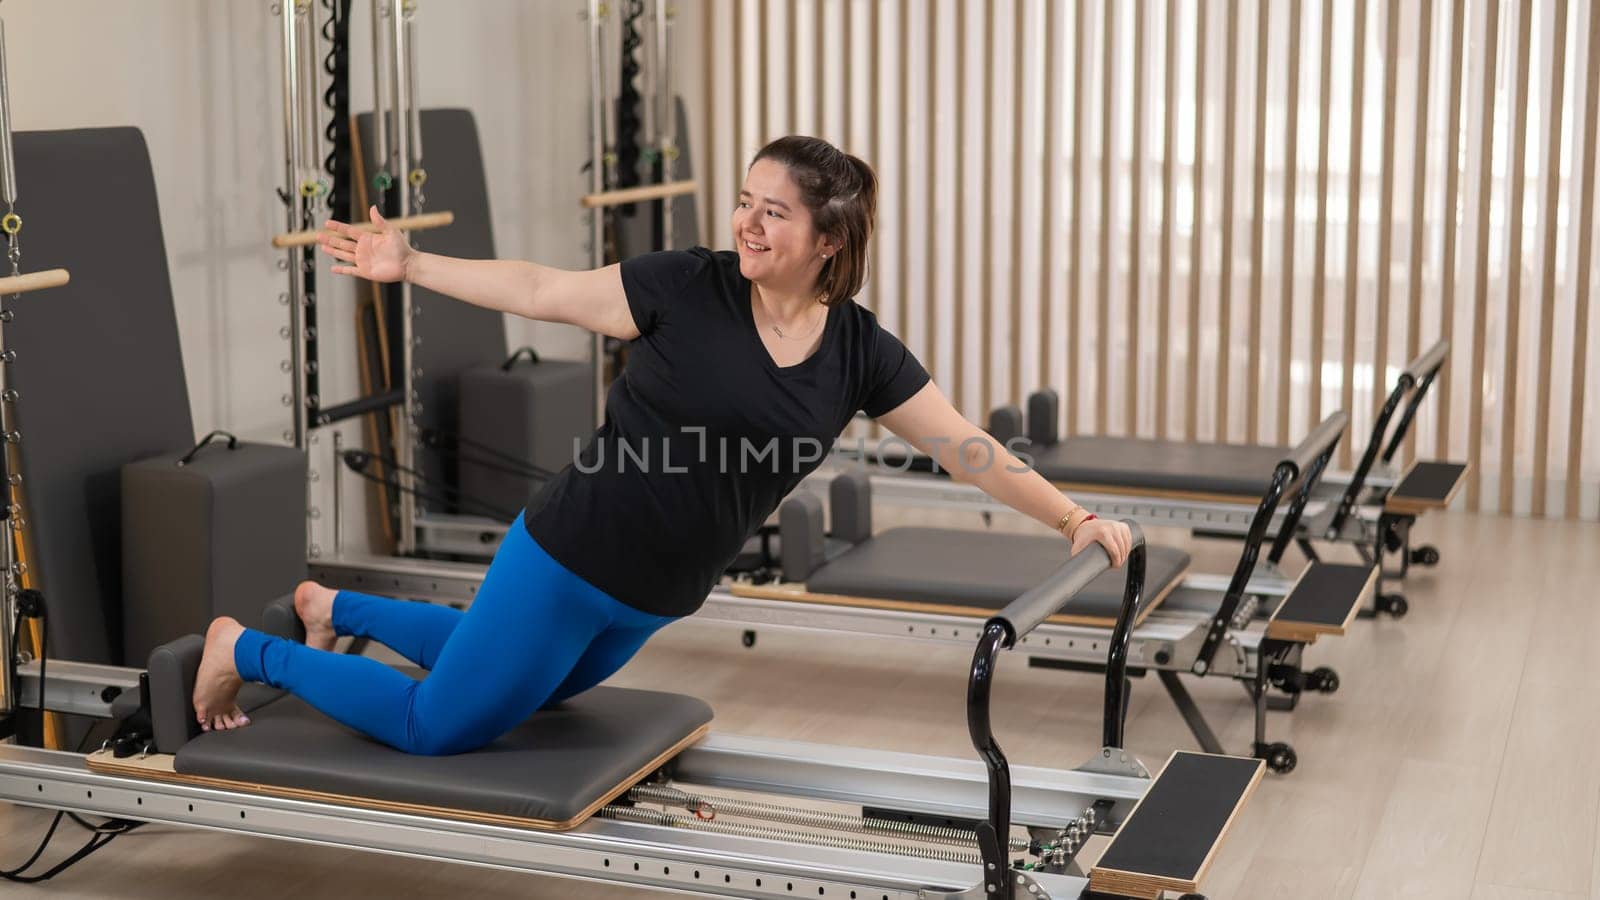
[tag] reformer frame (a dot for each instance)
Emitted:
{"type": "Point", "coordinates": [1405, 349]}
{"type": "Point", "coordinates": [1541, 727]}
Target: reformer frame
{"type": "Point", "coordinates": [626, 844]}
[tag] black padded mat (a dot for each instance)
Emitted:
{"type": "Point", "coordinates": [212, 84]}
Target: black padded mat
{"type": "Point", "coordinates": [1175, 826]}
{"type": "Point", "coordinates": [1429, 482]}
{"type": "Point", "coordinates": [99, 369]}
{"type": "Point", "coordinates": [455, 336]}
{"type": "Point", "coordinates": [552, 769]}
{"type": "Point", "coordinates": [1234, 469]}
{"type": "Point", "coordinates": [978, 569]}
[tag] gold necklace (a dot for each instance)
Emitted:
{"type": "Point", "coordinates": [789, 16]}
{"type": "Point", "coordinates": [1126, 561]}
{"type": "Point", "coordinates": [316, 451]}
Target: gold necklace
{"type": "Point", "coordinates": [779, 331]}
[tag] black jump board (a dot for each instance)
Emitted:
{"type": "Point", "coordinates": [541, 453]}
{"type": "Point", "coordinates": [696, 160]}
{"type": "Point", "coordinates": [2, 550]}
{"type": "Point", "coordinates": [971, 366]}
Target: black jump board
{"type": "Point", "coordinates": [1429, 482]}
{"type": "Point", "coordinates": [1325, 594]}
{"type": "Point", "coordinates": [1181, 816]}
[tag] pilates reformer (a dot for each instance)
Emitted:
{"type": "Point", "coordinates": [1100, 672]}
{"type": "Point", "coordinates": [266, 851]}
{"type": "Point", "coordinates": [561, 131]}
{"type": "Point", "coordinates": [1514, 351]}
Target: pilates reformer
{"type": "Point", "coordinates": [1210, 489]}
{"type": "Point", "coordinates": [633, 841]}
{"type": "Point", "coordinates": [622, 794]}
{"type": "Point", "coordinates": [1194, 624]}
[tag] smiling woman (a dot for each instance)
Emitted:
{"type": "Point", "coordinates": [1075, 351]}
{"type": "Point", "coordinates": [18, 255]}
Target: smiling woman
{"type": "Point", "coordinates": [764, 347]}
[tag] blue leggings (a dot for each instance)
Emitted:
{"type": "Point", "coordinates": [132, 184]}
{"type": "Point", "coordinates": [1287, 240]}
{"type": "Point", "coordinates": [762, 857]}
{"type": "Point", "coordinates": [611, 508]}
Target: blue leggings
{"type": "Point", "coordinates": [535, 635]}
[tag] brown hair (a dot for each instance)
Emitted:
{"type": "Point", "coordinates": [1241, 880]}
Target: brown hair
{"type": "Point", "coordinates": [841, 192]}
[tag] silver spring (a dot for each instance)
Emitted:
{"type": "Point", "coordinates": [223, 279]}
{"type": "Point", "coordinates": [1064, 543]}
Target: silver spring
{"type": "Point", "coordinates": [654, 817]}
{"type": "Point", "coordinates": [769, 812]}
{"type": "Point", "coordinates": [1245, 612]}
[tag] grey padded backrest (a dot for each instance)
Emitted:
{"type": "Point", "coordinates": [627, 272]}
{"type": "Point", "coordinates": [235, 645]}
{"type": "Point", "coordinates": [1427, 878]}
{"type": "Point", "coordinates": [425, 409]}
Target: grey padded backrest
{"type": "Point", "coordinates": [98, 371]}
{"type": "Point", "coordinates": [453, 336]}
{"type": "Point", "coordinates": [1005, 423]}
{"type": "Point", "coordinates": [850, 502]}
{"type": "Point", "coordinates": [1044, 416]}
{"type": "Point", "coordinates": [800, 535]}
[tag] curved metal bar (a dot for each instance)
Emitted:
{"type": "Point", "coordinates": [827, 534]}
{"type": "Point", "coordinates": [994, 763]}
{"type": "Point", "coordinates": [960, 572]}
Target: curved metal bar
{"type": "Point", "coordinates": [1116, 710]}
{"type": "Point", "coordinates": [1380, 428]}
{"type": "Point", "coordinates": [1425, 369]}
{"type": "Point", "coordinates": [1282, 476]}
{"type": "Point", "coordinates": [997, 636]}
{"type": "Point", "coordinates": [1002, 632]}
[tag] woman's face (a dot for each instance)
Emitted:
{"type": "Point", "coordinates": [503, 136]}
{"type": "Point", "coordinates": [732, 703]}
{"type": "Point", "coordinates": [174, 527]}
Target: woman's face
{"type": "Point", "coordinates": [778, 247]}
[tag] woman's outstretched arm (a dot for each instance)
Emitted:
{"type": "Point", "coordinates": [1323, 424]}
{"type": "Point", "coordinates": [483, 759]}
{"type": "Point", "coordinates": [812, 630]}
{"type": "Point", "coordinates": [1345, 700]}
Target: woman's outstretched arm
{"type": "Point", "coordinates": [929, 423]}
{"type": "Point", "coordinates": [591, 299]}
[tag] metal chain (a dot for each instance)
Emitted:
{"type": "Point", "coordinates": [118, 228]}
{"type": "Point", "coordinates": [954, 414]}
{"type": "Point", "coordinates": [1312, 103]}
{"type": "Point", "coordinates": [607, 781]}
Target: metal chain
{"type": "Point", "coordinates": [653, 817]}
{"type": "Point", "coordinates": [701, 805]}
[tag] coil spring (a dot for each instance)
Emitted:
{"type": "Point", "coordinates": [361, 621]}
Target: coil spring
{"type": "Point", "coordinates": [629, 116]}
{"type": "Point", "coordinates": [654, 817]}
{"type": "Point", "coordinates": [1245, 612]}
{"type": "Point", "coordinates": [769, 812]}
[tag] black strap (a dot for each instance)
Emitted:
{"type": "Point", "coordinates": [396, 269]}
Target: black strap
{"type": "Point", "coordinates": [511, 361]}
{"type": "Point", "coordinates": [233, 444]}
{"type": "Point", "coordinates": [360, 462]}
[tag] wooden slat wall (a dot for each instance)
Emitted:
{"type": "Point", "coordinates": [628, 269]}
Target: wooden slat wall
{"type": "Point", "coordinates": [1139, 192]}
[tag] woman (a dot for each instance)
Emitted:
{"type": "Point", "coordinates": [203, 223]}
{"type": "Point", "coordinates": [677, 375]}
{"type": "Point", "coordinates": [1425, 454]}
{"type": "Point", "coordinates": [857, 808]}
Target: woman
{"type": "Point", "coordinates": [742, 367]}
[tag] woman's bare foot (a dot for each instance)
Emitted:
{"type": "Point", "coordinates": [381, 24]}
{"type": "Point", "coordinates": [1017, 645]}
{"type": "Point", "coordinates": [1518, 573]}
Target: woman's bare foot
{"type": "Point", "coordinates": [313, 603]}
{"type": "Point", "coordinates": [216, 686]}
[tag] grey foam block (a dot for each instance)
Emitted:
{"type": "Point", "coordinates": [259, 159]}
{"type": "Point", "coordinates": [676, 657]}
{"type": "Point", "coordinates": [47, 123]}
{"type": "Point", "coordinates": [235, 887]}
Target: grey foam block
{"type": "Point", "coordinates": [534, 412]}
{"type": "Point", "coordinates": [222, 535]}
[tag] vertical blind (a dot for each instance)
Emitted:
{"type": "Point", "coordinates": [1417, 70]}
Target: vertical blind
{"type": "Point", "coordinates": [1213, 220]}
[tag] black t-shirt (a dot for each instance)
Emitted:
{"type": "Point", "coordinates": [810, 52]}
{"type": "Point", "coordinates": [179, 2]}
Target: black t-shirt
{"type": "Point", "coordinates": [704, 433]}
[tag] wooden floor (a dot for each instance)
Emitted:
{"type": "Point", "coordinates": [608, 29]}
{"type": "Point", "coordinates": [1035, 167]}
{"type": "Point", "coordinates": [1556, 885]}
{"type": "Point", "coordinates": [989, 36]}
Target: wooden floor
{"type": "Point", "coordinates": [1458, 760]}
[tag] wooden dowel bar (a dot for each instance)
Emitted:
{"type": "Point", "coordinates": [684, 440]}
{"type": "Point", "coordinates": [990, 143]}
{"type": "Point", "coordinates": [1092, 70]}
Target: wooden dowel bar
{"type": "Point", "coordinates": [421, 222]}
{"type": "Point", "coordinates": [34, 281]}
{"type": "Point", "coordinates": [637, 195]}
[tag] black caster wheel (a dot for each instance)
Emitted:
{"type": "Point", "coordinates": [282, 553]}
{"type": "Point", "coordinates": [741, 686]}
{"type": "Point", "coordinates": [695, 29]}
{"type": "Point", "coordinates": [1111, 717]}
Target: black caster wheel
{"type": "Point", "coordinates": [1394, 604]}
{"type": "Point", "coordinates": [1323, 680]}
{"type": "Point", "coordinates": [1426, 555]}
{"type": "Point", "coordinates": [749, 639]}
{"type": "Point", "coordinates": [1280, 757]}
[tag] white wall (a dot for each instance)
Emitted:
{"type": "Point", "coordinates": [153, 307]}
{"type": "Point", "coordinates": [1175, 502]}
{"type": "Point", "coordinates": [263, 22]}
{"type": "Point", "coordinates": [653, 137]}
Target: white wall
{"type": "Point", "coordinates": [201, 79]}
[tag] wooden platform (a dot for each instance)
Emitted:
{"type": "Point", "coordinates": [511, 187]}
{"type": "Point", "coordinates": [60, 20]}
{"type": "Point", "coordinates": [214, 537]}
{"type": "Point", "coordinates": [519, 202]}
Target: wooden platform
{"type": "Point", "coordinates": [1172, 835]}
{"type": "Point", "coordinates": [1325, 599]}
{"type": "Point", "coordinates": [1426, 486]}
